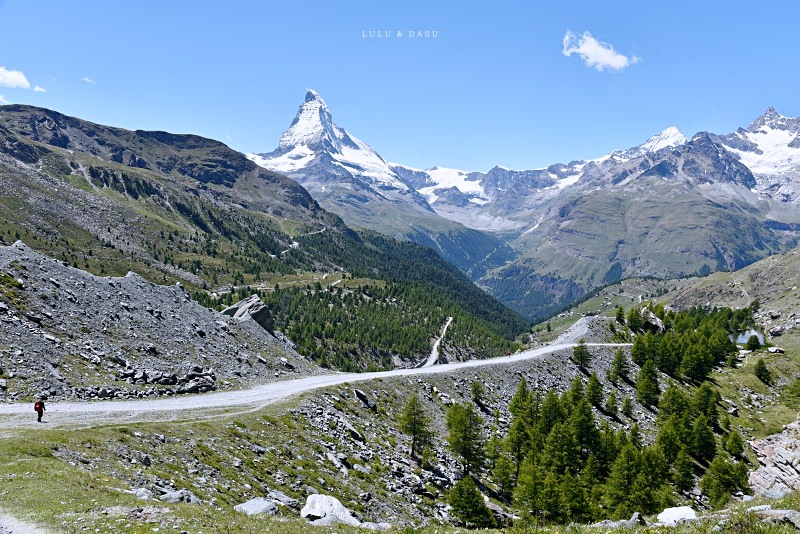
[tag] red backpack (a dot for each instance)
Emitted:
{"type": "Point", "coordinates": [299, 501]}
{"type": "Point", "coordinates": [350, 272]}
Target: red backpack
{"type": "Point", "coordinates": [37, 406]}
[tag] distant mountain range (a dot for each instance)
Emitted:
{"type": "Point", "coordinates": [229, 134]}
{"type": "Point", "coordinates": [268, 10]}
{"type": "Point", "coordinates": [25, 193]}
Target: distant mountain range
{"type": "Point", "coordinates": [670, 207]}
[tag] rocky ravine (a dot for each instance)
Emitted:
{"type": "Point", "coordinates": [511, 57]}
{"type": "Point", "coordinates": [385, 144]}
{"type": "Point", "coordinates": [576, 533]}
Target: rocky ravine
{"type": "Point", "coordinates": [67, 333]}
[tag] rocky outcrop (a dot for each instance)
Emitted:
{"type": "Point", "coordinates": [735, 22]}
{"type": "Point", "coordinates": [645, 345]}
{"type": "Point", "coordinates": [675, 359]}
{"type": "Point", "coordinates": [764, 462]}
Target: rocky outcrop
{"type": "Point", "coordinates": [779, 463]}
{"type": "Point", "coordinates": [252, 308]}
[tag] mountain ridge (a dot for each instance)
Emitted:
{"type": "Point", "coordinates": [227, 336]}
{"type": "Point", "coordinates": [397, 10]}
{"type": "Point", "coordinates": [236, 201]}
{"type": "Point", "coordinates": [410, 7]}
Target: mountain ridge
{"type": "Point", "coordinates": [561, 245]}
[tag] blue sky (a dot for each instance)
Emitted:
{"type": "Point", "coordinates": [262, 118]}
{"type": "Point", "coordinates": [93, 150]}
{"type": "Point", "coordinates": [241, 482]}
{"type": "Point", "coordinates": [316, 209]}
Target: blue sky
{"type": "Point", "coordinates": [498, 85]}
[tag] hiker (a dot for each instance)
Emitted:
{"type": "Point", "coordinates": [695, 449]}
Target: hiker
{"type": "Point", "coordinates": [39, 407]}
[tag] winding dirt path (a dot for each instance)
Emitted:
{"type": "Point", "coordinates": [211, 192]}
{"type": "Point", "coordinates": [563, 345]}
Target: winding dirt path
{"type": "Point", "coordinates": [209, 405]}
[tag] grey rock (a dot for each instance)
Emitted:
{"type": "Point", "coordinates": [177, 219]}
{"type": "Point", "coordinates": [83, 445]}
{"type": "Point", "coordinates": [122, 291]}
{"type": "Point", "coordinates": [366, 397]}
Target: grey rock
{"type": "Point", "coordinates": [183, 495]}
{"type": "Point", "coordinates": [252, 308]}
{"type": "Point", "coordinates": [365, 399]}
{"type": "Point", "coordinates": [282, 498]}
{"type": "Point", "coordinates": [778, 517]}
{"type": "Point", "coordinates": [257, 506]}
{"type": "Point", "coordinates": [143, 494]}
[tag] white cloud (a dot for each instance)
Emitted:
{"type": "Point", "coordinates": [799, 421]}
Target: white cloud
{"type": "Point", "coordinates": [596, 54]}
{"type": "Point", "coordinates": [89, 80]}
{"type": "Point", "coordinates": [40, 89]}
{"type": "Point", "coordinates": [13, 78]}
{"type": "Point", "coordinates": [3, 100]}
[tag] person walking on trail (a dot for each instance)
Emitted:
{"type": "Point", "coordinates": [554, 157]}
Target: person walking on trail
{"type": "Point", "coordinates": [39, 407]}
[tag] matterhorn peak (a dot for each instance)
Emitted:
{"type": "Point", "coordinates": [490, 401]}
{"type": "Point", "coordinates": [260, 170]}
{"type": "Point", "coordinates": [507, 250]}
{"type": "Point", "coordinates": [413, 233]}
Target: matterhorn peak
{"type": "Point", "coordinates": [312, 126]}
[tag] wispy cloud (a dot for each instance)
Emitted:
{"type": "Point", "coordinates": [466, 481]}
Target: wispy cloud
{"type": "Point", "coordinates": [596, 54]}
{"type": "Point", "coordinates": [13, 78]}
{"type": "Point", "coordinates": [40, 89]}
{"type": "Point", "coordinates": [3, 100]}
{"type": "Point", "coordinates": [89, 80]}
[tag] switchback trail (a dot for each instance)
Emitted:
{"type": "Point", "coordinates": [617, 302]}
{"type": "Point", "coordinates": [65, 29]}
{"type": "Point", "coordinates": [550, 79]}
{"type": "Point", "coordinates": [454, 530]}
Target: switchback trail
{"type": "Point", "coordinates": [208, 405]}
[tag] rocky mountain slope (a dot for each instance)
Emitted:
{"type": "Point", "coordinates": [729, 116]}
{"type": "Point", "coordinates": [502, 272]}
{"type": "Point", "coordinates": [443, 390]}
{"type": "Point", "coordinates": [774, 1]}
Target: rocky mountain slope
{"type": "Point", "coordinates": [67, 333]}
{"type": "Point", "coordinates": [347, 177]}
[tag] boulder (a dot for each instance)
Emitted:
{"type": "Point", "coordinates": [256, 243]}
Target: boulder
{"type": "Point", "coordinates": [673, 516]}
{"type": "Point", "coordinates": [283, 499]}
{"type": "Point", "coordinates": [365, 400]}
{"type": "Point", "coordinates": [777, 517]}
{"type": "Point", "coordinates": [252, 308]}
{"type": "Point", "coordinates": [143, 494]}
{"type": "Point", "coordinates": [325, 510]}
{"type": "Point", "coordinates": [256, 506]}
{"type": "Point", "coordinates": [183, 495]}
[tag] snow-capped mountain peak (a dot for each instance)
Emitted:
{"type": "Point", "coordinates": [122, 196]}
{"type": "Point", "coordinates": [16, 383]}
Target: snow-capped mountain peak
{"type": "Point", "coordinates": [771, 119]}
{"type": "Point", "coordinates": [669, 137]}
{"type": "Point", "coordinates": [770, 146]}
{"type": "Point", "coordinates": [312, 126]}
{"type": "Point", "coordinates": [313, 139]}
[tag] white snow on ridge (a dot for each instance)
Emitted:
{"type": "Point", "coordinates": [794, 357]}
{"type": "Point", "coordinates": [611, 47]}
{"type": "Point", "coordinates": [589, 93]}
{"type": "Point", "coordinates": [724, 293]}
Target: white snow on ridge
{"type": "Point", "coordinates": [666, 138]}
{"type": "Point", "coordinates": [297, 158]}
{"type": "Point", "coordinates": [777, 156]}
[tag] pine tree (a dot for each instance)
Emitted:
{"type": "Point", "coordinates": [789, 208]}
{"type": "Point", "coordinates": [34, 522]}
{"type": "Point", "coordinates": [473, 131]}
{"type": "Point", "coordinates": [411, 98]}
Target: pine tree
{"type": "Point", "coordinates": [705, 402]}
{"type": "Point", "coordinates": [753, 343]}
{"type": "Point", "coordinates": [594, 390]}
{"type": "Point", "coordinates": [683, 471]}
{"type": "Point", "coordinates": [620, 315]}
{"type": "Point", "coordinates": [762, 372]}
{"type": "Point", "coordinates": [703, 442]}
{"type": "Point", "coordinates": [734, 444]}
{"type": "Point", "coordinates": [416, 423]}
{"type": "Point", "coordinates": [561, 451]}
{"type": "Point", "coordinates": [620, 482]}
{"type": "Point", "coordinates": [697, 362]}
{"type": "Point", "coordinates": [476, 388]}
{"type": "Point", "coordinates": [550, 498]}
{"type": "Point", "coordinates": [527, 492]}
{"type": "Point", "coordinates": [465, 435]}
{"type": "Point", "coordinates": [721, 479]}
{"type": "Point", "coordinates": [581, 355]}
{"type": "Point", "coordinates": [627, 406]}
{"type": "Point", "coordinates": [619, 366]}
{"type": "Point", "coordinates": [520, 399]}
{"type": "Point", "coordinates": [635, 321]}
{"type": "Point", "coordinates": [611, 404]}
{"type": "Point", "coordinates": [516, 443]}
{"type": "Point", "coordinates": [584, 428]}
{"type": "Point", "coordinates": [647, 390]}
{"type": "Point", "coordinates": [503, 475]}
{"type": "Point", "coordinates": [673, 402]}
{"type": "Point", "coordinates": [468, 504]}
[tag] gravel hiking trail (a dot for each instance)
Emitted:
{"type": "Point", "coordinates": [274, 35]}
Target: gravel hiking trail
{"type": "Point", "coordinates": [210, 405]}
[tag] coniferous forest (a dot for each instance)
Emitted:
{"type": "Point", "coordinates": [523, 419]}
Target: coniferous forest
{"type": "Point", "coordinates": [581, 456]}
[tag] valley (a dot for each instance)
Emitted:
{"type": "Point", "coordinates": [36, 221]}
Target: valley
{"type": "Point", "coordinates": [207, 335]}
